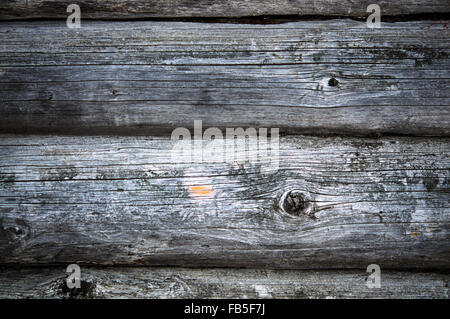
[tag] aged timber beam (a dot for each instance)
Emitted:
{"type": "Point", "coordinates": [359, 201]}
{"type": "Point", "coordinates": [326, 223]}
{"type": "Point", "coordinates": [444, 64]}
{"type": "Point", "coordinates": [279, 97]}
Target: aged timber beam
{"type": "Point", "coordinates": [129, 9]}
{"type": "Point", "coordinates": [330, 203]}
{"type": "Point", "coordinates": [143, 282]}
{"type": "Point", "coordinates": [319, 77]}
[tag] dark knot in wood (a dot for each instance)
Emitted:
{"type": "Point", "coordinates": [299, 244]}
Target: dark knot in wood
{"type": "Point", "coordinates": [86, 291]}
{"type": "Point", "coordinates": [333, 82]}
{"type": "Point", "coordinates": [295, 203]}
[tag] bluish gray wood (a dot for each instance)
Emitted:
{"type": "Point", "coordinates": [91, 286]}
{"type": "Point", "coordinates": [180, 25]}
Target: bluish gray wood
{"type": "Point", "coordinates": [129, 9]}
{"type": "Point", "coordinates": [317, 77]}
{"type": "Point", "coordinates": [142, 282]}
{"type": "Point", "coordinates": [122, 200]}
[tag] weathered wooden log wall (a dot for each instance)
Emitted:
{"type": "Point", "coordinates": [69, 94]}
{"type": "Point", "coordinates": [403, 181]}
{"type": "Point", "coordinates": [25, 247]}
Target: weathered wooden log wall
{"type": "Point", "coordinates": [87, 174]}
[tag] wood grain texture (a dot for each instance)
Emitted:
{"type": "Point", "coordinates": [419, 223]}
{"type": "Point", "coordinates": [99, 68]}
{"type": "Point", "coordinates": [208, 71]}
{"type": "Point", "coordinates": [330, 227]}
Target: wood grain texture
{"type": "Point", "coordinates": [122, 200]}
{"type": "Point", "coordinates": [129, 9]}
{"type": "Point", "coordinates": [165, 283]}
{"type": "Point", "coordinates": [317, 77]}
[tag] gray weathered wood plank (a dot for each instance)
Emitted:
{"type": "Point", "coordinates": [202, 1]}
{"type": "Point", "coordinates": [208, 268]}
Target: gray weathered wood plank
{"type": "Point", "coordinates": [150, 77]}
{"type": "Point", "coordinates": [129, 9]}
{"type": "Point", "coordinates": [122, 200]}
{"type": "Point", "coordinates": [140, 282]}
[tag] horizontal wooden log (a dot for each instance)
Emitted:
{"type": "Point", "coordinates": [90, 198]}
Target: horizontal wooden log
{"type": "Point", "coordinates": [165, 283]}
{"type": "Point", "coordinates": [331, 203]}
{"type": "Point", "coordinates": [319, 77]}
{"type": "Point", "coordinates": [126, 9]}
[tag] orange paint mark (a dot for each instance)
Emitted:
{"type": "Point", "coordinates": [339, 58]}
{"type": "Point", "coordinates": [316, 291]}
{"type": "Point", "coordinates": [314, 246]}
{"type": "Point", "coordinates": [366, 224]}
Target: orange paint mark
{"type": "Point", "coordinates": [414, 234]}
{"type": "Point", "coordinates": [201, 190]}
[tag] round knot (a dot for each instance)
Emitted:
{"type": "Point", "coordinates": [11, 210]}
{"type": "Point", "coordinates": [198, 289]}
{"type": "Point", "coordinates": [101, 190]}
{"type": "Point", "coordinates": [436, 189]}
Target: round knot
{"type": "Point", "coordinates": [333, 82]}
{"type": "Point", "coordinates": [295, 203]}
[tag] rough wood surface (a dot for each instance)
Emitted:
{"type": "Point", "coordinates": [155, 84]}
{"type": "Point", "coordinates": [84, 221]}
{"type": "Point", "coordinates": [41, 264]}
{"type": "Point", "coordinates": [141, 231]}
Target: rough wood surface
{"type": "Point", "coordinates": [218, 283]}
{"type": "Point", "coordinates": [126, 9]}
{"type": "Point", "coordinates": [317, 77]}
{"type": "Point", "coordinates": [122, 200]}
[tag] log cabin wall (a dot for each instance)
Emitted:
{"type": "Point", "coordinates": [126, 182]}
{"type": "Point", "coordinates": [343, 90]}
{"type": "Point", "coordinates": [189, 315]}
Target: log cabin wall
{"type": "Point", "coordinates": [88, 176]}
